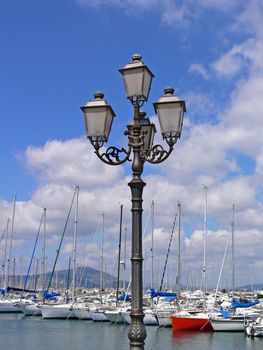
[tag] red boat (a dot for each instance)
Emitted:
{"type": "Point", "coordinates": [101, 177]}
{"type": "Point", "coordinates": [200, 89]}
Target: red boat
{"type": "Point", "coordinates": [197, 322]}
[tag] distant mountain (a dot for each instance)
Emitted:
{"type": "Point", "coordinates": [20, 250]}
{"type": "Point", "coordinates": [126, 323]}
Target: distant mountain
{"type": "Point", "coordinates": [86, 277]}
{"type": "Point", "coordinates": [258, 286]}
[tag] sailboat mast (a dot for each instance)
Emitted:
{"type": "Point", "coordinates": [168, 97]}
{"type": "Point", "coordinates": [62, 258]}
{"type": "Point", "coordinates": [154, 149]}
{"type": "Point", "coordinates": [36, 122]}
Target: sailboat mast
{"type": "Point", "coordinates": [11, 241]}
{"type": "Point", "coordinates": [152, 244]}
{"type": "Point", "coordinates": [233, 249]}
{"type": "Point", "coordinates": [205, 234]}
{"type": "Point", "coordinates": [36, 275]}
{"type": "Point", "coordinates": [43, 251]}
{"type": "Point", "coordinates": [60, 243]}
{"type": "Point", "coordinates": [178, 277]}
{"type": "Point", "coordinates": [5, 255]}
{"type": "Point", "coordinates": [21, 272]}
{"type": "Point", "coordinates": [124, 259]}
{"type": "Point", "coordinates": [67, 282]}
{"type": "Point", "coordinates": [75, 245]}
{"type": "Point", "coordinates": [14, 272]}
{"type": "Point", "coordinates": [119, 257]}
{"type": "Point", "coordinates": [101, 256]}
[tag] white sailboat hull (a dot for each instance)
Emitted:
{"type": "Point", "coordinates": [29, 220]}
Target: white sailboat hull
{"type": "Point", "coordinates": [115, 316]}
{"type": "Point", "coordinates": [82, 313]}
{"type": "Point", "coordinates": [149, 318]}
{"type": "Point", "coordinates": [65, 311]}
{"type": "Point", "coordinates": [227, 325]}
{"type": "Point", "coordinates": [9, 306]}
{"type": "Point", "coordinates": [31, 309]}
{"type": "Point", "coordinates": [98, 316]}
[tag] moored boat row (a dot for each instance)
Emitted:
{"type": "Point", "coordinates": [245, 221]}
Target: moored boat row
{"type": "Point", "coordinates": [188, 315]}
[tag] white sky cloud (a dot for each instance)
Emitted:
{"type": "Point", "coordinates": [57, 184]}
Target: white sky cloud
{"type": "Point", "coordinates": [60, 162]}
{"type": "Point", "coordinates": [200, 69]}
{"type": "Point", "coordinates": [247, 55]}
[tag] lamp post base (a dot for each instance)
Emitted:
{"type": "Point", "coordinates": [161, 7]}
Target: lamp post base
{"type": "Point", "coordinates": [137, 332]}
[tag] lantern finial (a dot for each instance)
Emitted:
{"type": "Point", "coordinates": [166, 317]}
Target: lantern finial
{"type": "Point", "coordinates": [98, 95]}
{"type": "Point", "coordinates": [136, 57]}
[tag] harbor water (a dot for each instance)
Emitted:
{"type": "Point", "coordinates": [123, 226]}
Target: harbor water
{"type": "Point", "coordinates": [34, 333]}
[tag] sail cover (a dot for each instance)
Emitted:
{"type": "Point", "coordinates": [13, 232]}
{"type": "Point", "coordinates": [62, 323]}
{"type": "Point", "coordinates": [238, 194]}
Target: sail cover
{"type": "Point", "coordinates": [225, 313]}
{"type": "Point", "coordinates": [155, 294]}
{"type": "Point", "coordinates": [50, 296]}
{"type": "Point", "coordinates": [239, 304]}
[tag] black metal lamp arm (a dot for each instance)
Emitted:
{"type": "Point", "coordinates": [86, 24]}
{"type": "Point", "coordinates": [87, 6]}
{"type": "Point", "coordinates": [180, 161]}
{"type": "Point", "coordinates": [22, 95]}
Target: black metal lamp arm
{"type": "Point", "coordinates": [158, 154]}
{"type": "Point", "coordinates": [112, 155]}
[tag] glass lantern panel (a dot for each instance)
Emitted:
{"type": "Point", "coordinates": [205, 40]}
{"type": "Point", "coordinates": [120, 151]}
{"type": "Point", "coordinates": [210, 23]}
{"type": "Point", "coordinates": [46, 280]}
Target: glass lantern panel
{"type": "Point", "coordinates": [149, 136]}
{"type": "Point", "coordinates": [170, 117]}
{"type": "Point", "coordinates": [95, 121]}
{"type": "Point", "coordinates": [147, 79]}
{"type": "Point", "coordinates": [133, 81]}
{"type": "Point", "coordinates": [108, 124]}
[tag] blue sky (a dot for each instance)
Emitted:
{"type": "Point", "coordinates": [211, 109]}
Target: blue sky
{"type": "Point", "coordinates": [55, 54]}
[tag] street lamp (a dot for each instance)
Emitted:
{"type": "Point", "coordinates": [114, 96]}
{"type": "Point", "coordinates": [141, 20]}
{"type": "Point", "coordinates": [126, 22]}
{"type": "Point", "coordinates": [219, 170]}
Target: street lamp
{"type": "Point", "coordinates": [98, 116]}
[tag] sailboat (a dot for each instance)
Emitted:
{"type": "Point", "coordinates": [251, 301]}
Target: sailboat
{"type": "Point", "coordinates": [114, 315]}
{"type": "Point", "coordinates": [233, 322]}
{"type": "Point", "coordinates": [97, 312]}
{"type": "Point", "coordinates": [197, 321]}
{"type": "Point", "coordinates": [33, 307]}
{"type": "Point", "coordinates": [164, 314]}
{"type": "Point", "coordinates": [150, 312]}
{"type": "Point", "coordinates": [8, 304]}
{"type": "Point", "coordinates": [65, 310]}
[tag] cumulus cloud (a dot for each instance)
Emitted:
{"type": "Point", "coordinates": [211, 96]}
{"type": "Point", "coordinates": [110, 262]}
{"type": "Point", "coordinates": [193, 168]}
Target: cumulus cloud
{"type": "Point", "coordinates": [200, 69]}
{"type": "Point", "coordinates": [247, 55]}
{"type": "Point", "coordinates": [61, 162]}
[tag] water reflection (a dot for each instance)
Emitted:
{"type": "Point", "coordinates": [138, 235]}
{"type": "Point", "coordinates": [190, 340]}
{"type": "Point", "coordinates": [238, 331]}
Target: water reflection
{"type": "Point", "coordinates": [192, 340]}
{"type": "Point", "coordinates": [11, 316]}
{"type": "Point", "coordinates": [183, 333]}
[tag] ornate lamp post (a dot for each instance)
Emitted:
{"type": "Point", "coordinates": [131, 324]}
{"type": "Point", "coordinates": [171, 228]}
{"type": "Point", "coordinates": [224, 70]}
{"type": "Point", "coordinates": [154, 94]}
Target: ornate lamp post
{"type": "Point", "coordinates": [98, 116]}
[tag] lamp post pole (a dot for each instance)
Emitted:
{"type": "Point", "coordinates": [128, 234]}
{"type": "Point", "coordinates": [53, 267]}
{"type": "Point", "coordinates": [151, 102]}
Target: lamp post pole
{"type": "Point", "coordinates": [137, 331]}
{"type": "Point", "coordinates": [98, 116]}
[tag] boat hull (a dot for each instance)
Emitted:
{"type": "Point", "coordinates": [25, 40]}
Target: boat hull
{"type": "Point", "coordinates": [82, 313]}
{"type": "Point", "coordinates": [114, 316]}
{"type": "Point", "coordinates": [149, 318]}
{"type": "Point", "coordinates": [227, 325]}
{"type": "Point", "coordinates": [191, 323]}
{"type": "Point", "coordinates": [57, 311]}
{"type": "Point", "coordinates": [98, 316]}
{"type": "Point", "coordinates": [9, 306]}
{"type": "Point", "coordinates": [31, 310]}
